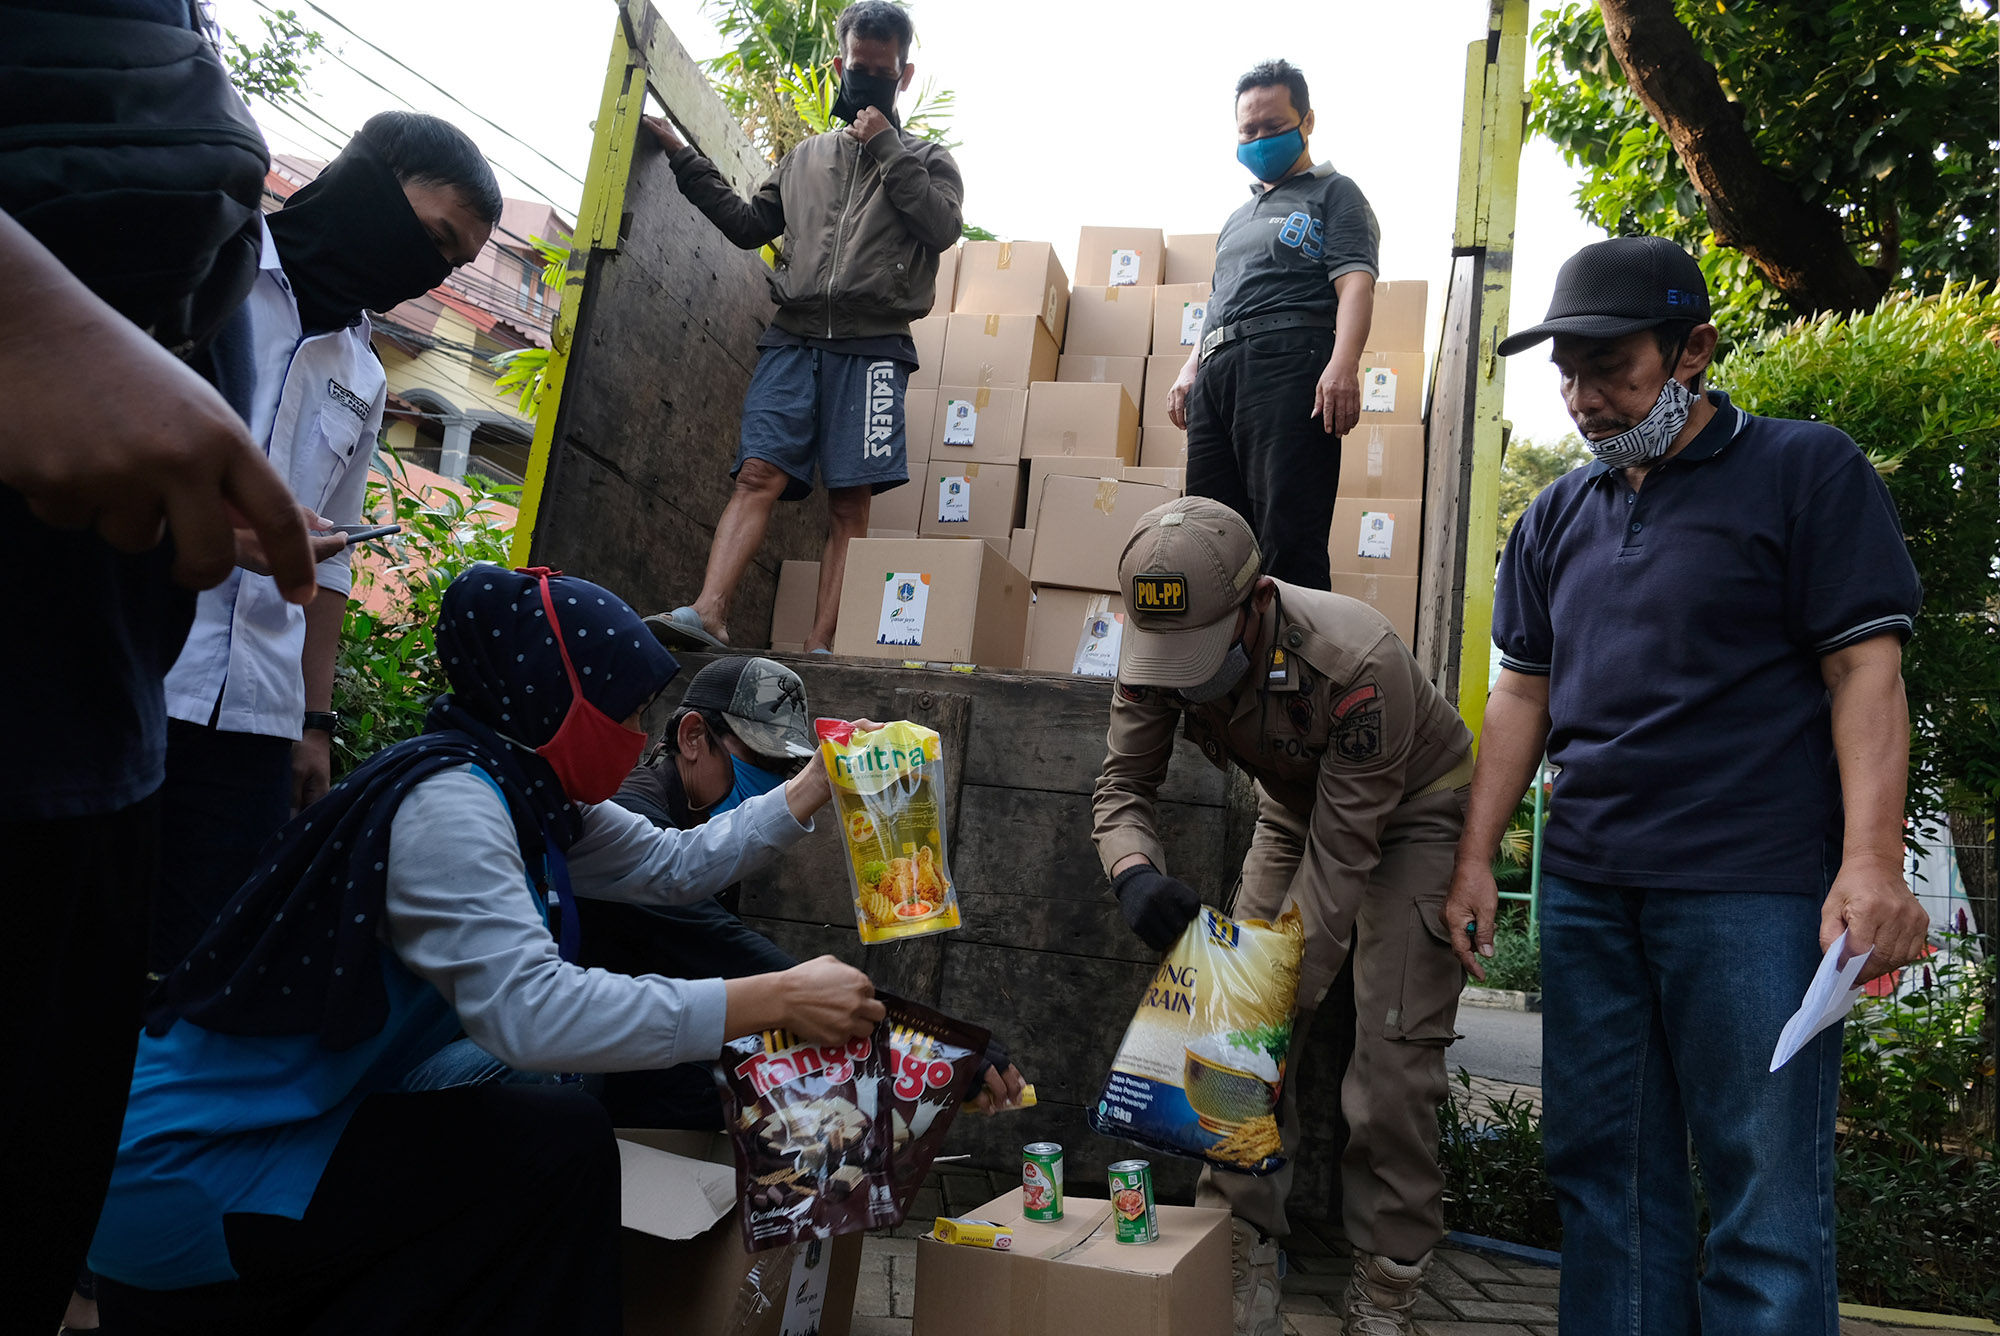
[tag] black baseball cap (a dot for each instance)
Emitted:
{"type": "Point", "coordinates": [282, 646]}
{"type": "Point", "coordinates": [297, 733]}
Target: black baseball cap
{"type": "Point", "coordinates": [1611, 288]}
{"type": "Point", "coordinates": [763, 701]}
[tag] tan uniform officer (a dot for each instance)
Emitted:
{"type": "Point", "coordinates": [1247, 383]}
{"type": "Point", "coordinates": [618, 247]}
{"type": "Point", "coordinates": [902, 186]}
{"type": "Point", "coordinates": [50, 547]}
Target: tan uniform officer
{"type": "Point", "coordinates": [1360, 765]}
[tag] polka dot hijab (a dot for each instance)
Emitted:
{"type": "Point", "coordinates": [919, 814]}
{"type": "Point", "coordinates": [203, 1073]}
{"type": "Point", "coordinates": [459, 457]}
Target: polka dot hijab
{"type": "Point", "coordinates": [297, 949]}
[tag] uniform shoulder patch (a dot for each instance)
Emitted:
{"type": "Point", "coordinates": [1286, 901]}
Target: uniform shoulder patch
{"type": "Point", "coordinates": [1137, 695]}
{"type": "Point", "coordinates": [1357, 724]}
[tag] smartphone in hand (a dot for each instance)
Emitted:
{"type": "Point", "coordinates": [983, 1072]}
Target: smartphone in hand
{"type": "Point", "coordinates": [362, 533]}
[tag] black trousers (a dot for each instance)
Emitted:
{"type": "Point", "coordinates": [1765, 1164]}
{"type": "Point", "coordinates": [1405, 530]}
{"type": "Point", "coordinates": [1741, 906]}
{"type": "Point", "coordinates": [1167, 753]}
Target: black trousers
{"type": "Point", "coordinates": [69, 1018]}
{"type": "Point", "coordinates": [487, 1209]}
{"type": "Point", "coordinates": [225, 795]}
{"type": "Point", "coordinates": [1254, 445]}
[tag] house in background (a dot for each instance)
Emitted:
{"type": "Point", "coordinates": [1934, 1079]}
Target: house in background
{"type": "Point", "coordinates": [438, 350]}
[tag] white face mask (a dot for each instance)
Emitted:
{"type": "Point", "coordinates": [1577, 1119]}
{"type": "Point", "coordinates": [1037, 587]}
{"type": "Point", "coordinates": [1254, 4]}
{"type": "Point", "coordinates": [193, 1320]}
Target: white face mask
{"type": "Point", "coordinates": [1653, 436]}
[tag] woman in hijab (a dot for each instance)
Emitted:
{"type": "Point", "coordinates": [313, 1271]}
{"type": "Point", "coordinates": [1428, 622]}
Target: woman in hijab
{"type": "Point", "coordinates": [271, 1177]}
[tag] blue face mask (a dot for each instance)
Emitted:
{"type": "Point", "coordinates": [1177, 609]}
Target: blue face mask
{"type": "Point", "coordinates": [1271, 157]}
{"type": "Point", "coordinates": [751, 780]}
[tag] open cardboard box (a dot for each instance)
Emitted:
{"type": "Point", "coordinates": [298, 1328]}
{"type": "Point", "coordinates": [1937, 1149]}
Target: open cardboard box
{"type": "Point", "coordinates": [685, 1269]}
{"type": "Point", "coordinates": [1072, 1275]}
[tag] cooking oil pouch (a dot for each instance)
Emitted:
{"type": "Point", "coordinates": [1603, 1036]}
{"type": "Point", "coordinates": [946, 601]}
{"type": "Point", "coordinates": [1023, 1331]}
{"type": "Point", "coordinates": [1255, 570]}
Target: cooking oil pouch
{"type": "Point", "coordinates": [888, 793]}
{"type": "Point", "coordinates": [1203, 1062]}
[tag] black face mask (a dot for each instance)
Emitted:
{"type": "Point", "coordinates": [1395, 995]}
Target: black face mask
{"type": "Point", "coordinates": [858, 90]}
{"type": "Point", "coordinates": [351, 242]}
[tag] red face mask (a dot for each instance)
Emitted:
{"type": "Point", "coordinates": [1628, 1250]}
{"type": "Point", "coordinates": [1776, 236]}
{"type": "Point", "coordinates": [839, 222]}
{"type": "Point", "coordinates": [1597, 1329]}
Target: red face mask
{"type": "Point", "coordinates": [591, 752]}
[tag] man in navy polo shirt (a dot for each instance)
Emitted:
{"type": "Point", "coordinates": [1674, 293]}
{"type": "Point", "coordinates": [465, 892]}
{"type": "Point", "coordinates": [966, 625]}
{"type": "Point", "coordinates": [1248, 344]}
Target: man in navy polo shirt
{"type": "Point", "coordinates": [1704, 630]}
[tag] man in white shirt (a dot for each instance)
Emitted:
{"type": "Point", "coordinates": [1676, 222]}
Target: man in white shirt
{"type": "Point", "coordinates": [249, 699]}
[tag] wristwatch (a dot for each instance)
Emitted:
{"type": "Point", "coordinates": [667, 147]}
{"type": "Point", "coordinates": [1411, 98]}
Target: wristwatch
{"type": "Point", "coordinates": [322, 721]}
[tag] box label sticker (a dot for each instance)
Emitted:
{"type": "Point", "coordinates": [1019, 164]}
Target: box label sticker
{"type": "Point", "coordinates": [961, 422]}
{"type": "Point", "coordinates": [954, 500]}
{"type": "Point", "coordinates": [805, 1295]}
{"type": "Point", "coordinates": [1378, 534]}
{"type": "Point", "coordinates": [1193, 315]}
{"type": "Point", "coordinates": [1159, 593]}
{"type": "Point", "coordinates": [1378, 389]}
{"type": "Point", "coordinates": [1124, 268]}
{"type": "Point", "coordinates": [1097, 649]}
{"type": "Point", "coordinates": [906, 596]}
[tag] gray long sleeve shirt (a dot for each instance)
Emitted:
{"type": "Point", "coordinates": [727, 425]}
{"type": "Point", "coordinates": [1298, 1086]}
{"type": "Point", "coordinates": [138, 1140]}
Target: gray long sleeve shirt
{"type": "Point", "coordinates": [461, 917]}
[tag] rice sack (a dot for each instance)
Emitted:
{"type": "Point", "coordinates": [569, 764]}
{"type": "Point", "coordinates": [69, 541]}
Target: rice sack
{"type": "Point", "coordinates": [888, 795]}
{"type": "Point", "coordinates": [1203, 1062]}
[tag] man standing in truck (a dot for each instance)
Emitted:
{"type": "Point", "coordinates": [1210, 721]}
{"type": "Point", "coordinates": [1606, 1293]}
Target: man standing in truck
{"type": "Point", "coordinates": [1360, 766]}
{"type": "Point", "coordinates": [1276, 380]}
{"type": "Point", "coordinates": [864, 213]}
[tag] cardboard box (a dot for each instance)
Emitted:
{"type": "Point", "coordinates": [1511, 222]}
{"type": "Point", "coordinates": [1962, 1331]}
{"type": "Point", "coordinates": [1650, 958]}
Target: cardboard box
{"type": "Point", "coordinates": [796, 601]}
{"type": "Point", "coordinates": [1021, 550]}
{"type": "Point", "coordinates": [971, 501]}
{"type": "Point", "coordinates": [919, 412]}
{"type": "Point", "coordinates": [1162, 448]}
{"type": "Point", "coordinates": [1073, 1276]}
{"type": "Point", "coordinates": [1174, 479]}
{"type": "Point", "coordinates": [928, 335]}
{"type": "Point", "coordinates": [1044, 467]}
{"type": "Point", "coordinates": [1161, 373]}
{"type": "Point", "coordinates": [1394, 596]}
{"type": "Point", "coordinates": [954, 602]}
{"type": "Point", "coordinates": [1001, 352]}
{"type": "Point", "coordinates": [1013, 278]}
{"type": "Point", "coordinates": [947, 282]}
{"type": "Point", "coordinates": [1085, 369]}
{"type": "Point", "coordinates": [896, 533]}
{"type": "Point", "coordinates": [1381, 461]}
{"type": "Point", "coordinates": [683, 1258]}
{"type": "Point", "coordinates": [1120, 256]}
{"type": "Point", "coordinates": [1110, 322]}
{"type": "Point", "coordinates": [975, 426]}
{"type": "Point", "coordinates": [1373, 536]}
{"type": "Point", "coordinates": [1076, 418]}
{"type": "Point", "coordinates": [1401, 308]}
{"type": "Point", "coordinates": [1190, 257]}
{"type": "Point", "coordinates": [898, 509]}
{"type": "Point", "coordinates": [1074, 631]}
{"type": "Point", "coordinates": [1084, 525]}
{"type": "Point", "coordinates": [1179, 309]}
{"type": "Point", "coordinates": [1392, 388]}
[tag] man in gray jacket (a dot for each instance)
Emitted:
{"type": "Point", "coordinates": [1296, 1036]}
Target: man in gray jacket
{"type": "Point", "coordinates": [864, 213]}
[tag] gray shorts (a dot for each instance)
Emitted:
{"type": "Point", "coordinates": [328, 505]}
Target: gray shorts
{"type": "Point", "coordinates": [843, 413]}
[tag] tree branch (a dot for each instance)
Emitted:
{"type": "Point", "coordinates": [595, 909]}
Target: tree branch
{"type": "Point", "coordinates": [1799, 247]}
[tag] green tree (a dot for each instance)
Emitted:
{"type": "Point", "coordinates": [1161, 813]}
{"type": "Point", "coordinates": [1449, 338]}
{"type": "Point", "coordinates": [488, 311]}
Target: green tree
{"type": "Point", "coordinates": [276, 68]}
{"type": "Point", "coordinates": [1527, 468]}
{"type": "Point", "coordinates": [1814, 155]}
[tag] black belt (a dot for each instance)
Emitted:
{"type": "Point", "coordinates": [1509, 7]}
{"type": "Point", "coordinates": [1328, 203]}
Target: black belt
{"type": "Point", "coordinates": [1262, 324]}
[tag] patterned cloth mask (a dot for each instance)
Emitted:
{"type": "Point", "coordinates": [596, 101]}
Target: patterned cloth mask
{"type": "Point", "coordinates": [1653, 436]}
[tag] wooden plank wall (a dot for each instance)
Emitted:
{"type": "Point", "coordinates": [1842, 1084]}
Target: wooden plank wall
{"type": "Point", "coordinates": [647, 424]}
{"type": "Point", "coordinates": [1045, 960]}
{"type": "Point", "coordinates": [1448, 473]}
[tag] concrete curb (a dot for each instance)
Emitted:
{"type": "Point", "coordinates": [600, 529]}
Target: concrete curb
{"type": "Point", "coordinates": [1501, 999]}
{"type": "Point", "coordinates": [1513, 1252]}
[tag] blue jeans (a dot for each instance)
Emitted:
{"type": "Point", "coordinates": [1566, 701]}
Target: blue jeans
{"type": "Point", "coordinates": [463, 1063]}
{"type": "Point", "coordinates": [1660, 1012]}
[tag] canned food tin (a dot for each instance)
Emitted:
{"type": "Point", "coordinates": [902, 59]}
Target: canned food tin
{"type": "Point", "coordinates": [1041, 1181]}
{"type": "Point", "coordinates": [1132, 1208]}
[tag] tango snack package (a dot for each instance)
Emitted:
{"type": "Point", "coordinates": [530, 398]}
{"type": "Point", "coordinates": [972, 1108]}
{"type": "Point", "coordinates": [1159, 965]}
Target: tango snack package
{"type": "Point", "coordinates": [888, 796]}
{"type": "Point", "coordinates": [1203, 1062]}
{"type": "Point", "coordinates": [812, 1145]}
{"type": "Point", "coordinates": [932, 1060]}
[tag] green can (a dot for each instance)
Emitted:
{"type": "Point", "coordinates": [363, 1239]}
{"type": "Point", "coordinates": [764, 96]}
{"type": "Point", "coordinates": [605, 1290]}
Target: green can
{"type": "Point", "coordinates": [1041, 1181]}
{"type": "Point", "coordinates": [1132, 1207]}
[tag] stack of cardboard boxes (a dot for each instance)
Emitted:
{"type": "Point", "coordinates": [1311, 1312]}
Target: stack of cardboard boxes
{"type": "Point", "coordinates": [1037, 435]}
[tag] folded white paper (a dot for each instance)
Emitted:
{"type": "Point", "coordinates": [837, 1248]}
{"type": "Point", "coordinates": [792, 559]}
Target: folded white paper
{"type": "Point", "coordinates": [1828, 997]}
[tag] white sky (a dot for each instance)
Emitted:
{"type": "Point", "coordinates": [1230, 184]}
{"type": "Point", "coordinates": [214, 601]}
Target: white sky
{"type": "Point", "coordinates": [1069, 113]}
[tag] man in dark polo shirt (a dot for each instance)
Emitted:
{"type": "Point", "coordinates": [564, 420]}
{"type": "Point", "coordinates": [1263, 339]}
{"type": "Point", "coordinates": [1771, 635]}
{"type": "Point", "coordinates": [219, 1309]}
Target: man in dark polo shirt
{"type": "Point", "coordinates": [1704, 630]}
{"type": "Point", "coordinates": [1275, 382]}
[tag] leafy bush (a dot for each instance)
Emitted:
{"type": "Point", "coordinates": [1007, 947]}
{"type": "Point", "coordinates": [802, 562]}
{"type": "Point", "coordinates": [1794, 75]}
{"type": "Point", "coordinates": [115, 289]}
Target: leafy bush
{"type": "Point", "coordinates": [1495, 1182]}
{"type": "Point", "coordinates": [1517, 956]}
{"type": "Point", "coordinates": [1917, 384]}
{"type": "Point", "coordinates": [387, 671]}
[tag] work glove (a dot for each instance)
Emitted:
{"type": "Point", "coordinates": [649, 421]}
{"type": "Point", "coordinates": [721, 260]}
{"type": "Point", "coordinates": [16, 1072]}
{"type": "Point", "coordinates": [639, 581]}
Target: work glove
{"type": "Point", "coordinates": [1158, 907]}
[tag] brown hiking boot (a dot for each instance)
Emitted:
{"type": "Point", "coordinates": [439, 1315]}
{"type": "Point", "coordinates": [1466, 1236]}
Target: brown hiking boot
{"type": "Point", "coordinates": [1381, 1295]}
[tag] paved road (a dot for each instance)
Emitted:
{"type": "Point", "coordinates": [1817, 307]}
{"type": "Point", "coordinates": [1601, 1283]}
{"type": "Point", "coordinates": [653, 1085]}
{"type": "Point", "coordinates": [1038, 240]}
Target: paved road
{"type": "Point", "coordinates": [1506, 1045]}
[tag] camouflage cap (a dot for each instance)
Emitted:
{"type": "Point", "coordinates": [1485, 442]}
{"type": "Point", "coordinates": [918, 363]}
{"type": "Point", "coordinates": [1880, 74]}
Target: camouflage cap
{"type": "Point", "coordinates": [764, 702]}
